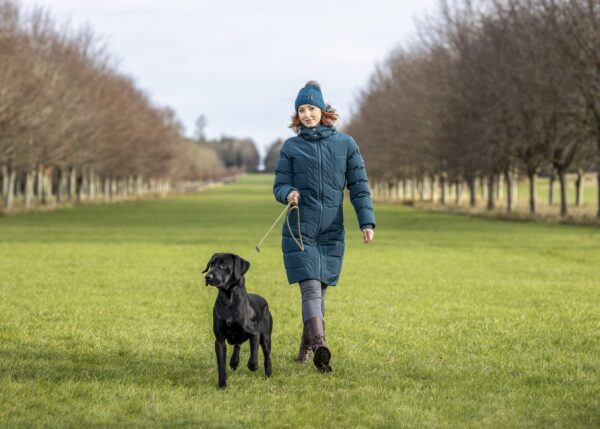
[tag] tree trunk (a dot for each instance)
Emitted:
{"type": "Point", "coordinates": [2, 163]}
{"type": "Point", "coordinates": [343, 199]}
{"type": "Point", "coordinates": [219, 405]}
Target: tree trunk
{"type": "Point", "coordinates": [598, 160]}
{"type": "Point", "coordinates": [532, 191]}
{"type": "Point", "coordinates": [79, 187]}
{"type": "Point", "coordinates": [19, 182]}
{"type": "Point", "coordinates": [132, 185]}
{"type": "Point", "coordinates": [509, 190]}
{"type": "Point", "coordinates": [91, 184]}
{"type": "Point", "coordinates": [551, 190]}
{"type": "Point", "coordinates": [564, 209]}
{"type": "Point", "coordinates": [515, 186]}
{"type": "Point", "coordinates": [39, 182]}
{"type": "Point", "coordinates": [457, 192]}
{"type": "Point", "coordinates": [42, 184]}
{"type": "Point", "coordinates": [60, 187]}
{"type": "Point", "coordinates": [490, 192]}
{"type": "Point", "coordinates": [29, 181]}
{"type": "Point", "coordinates": [500, 188]}
{"type": "Point", "coordinates": [48, 175]}
{"type": "Point", "coordinates": [4, 174]}
{"type": "Point", "coordinates": [433, 188]}
{"type": "Point", "coordinates": [443, 188]}
{"type": "Point", "coordinates": [72, 183]}
{"type": "Point", "coordinates": [598, 189]}
{"type": "Point", "coordinates": [482, 187]}
{"type": "Point", "coordinates": [106, 187]}
{"type": "Point", "coordinates": [472, 184]}
{"type": "Point", "coordinates": [579, 188]}
{"type": "Point", "coordinates": [10, 178]}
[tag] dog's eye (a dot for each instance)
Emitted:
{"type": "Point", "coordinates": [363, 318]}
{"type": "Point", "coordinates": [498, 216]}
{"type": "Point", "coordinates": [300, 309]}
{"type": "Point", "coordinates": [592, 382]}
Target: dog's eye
{"type": "Point", "coordinates": [221, 265]}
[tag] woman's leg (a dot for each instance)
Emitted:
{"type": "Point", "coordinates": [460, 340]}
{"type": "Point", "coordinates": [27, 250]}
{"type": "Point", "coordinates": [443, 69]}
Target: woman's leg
{"type": "Point", "coordinates": [323, 292]}
{"type": "Point", "coordinates": [311, 299]}
{"type": "Point", "coordinates": [312, 314]}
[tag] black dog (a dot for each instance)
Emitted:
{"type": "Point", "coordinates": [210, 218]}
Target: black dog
{"type": "Point", "coordinates": [237, 315]}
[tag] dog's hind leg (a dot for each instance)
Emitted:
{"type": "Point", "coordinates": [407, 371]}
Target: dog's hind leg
{"type": "Point", "coordinates": [253, 361]}
{"type": "Point", "coordinates": [265, 344]}
{"type": "Point", "coordinates": [234, 361]}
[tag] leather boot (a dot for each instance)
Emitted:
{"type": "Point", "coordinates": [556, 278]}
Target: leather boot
{"type": "Point", "coordinates": [321, 353]}
{"type": "Point", "coordinates": [305, 346]}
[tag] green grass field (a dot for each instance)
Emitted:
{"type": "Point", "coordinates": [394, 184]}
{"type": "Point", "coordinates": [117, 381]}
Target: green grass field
{"type": "Point", "coordinates": [443, 321]}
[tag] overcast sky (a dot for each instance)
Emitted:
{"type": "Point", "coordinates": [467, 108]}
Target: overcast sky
{"type": "Point", "coordinates": [241, 63]}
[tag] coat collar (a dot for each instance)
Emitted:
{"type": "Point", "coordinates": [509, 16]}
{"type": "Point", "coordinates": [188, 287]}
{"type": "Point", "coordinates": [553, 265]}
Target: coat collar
{"type": "Point", "coordinates": [316, 133]}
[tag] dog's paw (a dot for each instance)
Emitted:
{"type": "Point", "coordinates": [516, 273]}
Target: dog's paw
{"type": "Point", "coordinates": [268, 371]}
{"type": "Point", "coordinates": [252, 366]}
{"type": "Point", "coordinates": [233, 364]}
{"type": "Point", "coordinates": [222, 384]}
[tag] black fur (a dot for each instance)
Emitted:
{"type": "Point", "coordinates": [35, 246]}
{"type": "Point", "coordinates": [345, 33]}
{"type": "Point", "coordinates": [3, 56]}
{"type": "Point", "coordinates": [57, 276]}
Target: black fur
{"type": "Point", "coordinates": [237, 315]}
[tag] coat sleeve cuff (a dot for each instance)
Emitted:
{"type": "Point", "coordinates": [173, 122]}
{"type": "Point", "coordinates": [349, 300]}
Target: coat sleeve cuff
{"type": "Point", "coordinates": [283, 192]}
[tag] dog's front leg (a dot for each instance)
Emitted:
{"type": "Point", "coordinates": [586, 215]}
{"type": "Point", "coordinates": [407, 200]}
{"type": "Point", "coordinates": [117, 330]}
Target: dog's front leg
{"type": "Point", "coordinates": [221, 352]}
{"type": "Point", "coordinates": [253, 361]}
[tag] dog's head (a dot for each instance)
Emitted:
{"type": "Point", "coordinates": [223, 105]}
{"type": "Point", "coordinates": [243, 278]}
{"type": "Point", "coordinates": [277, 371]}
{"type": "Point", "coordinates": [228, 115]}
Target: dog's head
{"type": "Point", "coordinates": [224, 270]}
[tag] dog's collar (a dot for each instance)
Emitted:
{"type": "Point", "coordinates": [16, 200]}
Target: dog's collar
{"type": "Point", "coordinates": [239, 282]}
{"type": "Point", "coordinates": [232, 286]}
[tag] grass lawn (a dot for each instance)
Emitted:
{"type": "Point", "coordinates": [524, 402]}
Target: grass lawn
{"type": "Point", "coordinates": [443, 321]}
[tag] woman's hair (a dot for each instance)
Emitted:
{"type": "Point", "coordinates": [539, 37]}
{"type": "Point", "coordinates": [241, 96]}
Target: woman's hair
{"type": "Point", "coordinates": [329, 118]}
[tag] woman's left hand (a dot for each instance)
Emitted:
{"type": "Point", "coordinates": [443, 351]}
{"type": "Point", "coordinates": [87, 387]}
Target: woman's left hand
{"type": "Point", "coordinates": [368, 234]}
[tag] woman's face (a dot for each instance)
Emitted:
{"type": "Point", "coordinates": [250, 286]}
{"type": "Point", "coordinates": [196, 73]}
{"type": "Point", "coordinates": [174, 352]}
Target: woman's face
{"type": "Point", "coordinates": [310, 116]}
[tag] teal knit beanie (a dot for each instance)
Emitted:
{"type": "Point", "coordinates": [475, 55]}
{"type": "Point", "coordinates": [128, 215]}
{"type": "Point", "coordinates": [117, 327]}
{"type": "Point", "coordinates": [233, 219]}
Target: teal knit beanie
{"type": "Point", "coordinates": [311, 94]}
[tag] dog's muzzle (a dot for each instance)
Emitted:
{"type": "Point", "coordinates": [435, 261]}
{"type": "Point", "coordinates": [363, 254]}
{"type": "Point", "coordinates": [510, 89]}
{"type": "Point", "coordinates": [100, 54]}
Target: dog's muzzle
{"type": "Point", "coordinates": [212, 280]}
{"type": "Point", "coordinates": [208, 279]}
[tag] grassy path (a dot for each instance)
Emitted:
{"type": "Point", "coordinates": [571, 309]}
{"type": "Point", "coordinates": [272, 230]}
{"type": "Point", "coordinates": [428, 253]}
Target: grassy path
{"type": "Point", "coordinates": [443, 321]}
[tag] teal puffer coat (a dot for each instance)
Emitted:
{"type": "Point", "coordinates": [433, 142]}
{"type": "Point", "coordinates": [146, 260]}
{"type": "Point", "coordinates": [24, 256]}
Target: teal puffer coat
{"type": "Point", "coordinates": [319, 163]}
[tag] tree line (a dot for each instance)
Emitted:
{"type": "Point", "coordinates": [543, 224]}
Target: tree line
{"type": "Point", "coordinates": [490, 91]}
{"type": "Point", "coordinates": [72, 127]}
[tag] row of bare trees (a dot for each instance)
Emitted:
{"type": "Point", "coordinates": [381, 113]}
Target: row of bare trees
{"type": "Point", "coordinates": [490, 91]}
{"type": "Point", "coordinates": [71, 127]}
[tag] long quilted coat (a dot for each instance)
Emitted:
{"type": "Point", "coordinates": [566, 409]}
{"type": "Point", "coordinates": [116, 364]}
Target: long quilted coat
{"type": "Point", "coordinates": [318, 163]}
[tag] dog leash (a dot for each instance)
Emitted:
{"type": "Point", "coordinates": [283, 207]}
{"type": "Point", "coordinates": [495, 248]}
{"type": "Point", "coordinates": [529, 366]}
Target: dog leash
{"type": "Point", "coordinates": [287, 210]}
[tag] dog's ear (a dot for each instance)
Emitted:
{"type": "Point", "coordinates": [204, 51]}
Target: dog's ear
{"type": "Point", "coordinates": [240, 266]}
{"type": "Point", "coordinates": [209, 262]}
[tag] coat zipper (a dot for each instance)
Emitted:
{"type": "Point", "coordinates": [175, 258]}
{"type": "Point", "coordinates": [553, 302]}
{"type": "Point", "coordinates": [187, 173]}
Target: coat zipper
{"type": "Point", "coordinates": [320, 208]}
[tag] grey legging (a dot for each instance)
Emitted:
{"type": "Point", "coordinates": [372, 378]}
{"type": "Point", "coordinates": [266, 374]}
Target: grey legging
{"type": "Point", "coordinates": [313, 299]}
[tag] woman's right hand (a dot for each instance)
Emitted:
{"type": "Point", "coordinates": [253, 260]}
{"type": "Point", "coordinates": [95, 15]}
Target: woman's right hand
{"type": "Point", "coordinates": [293, 197]}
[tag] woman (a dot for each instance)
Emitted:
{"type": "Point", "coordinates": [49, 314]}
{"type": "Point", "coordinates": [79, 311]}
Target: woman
{"type": "Point", "coordinates": [312, 171]}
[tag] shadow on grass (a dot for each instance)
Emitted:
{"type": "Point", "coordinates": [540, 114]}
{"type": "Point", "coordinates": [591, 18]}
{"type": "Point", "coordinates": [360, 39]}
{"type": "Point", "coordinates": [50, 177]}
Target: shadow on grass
{"type": "Point", "coordinates": [175, 370]}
